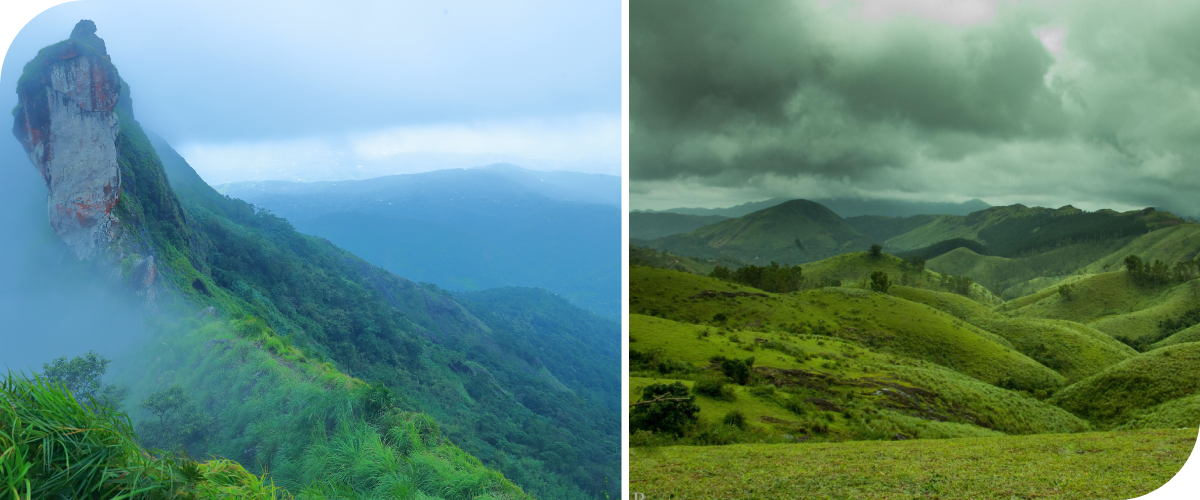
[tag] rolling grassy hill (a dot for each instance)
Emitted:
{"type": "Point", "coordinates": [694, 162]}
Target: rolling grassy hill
{"type": "Point", "coordinates": [876, 320]}
{"type": "Point", "coordinates": [825, 388]}
{"type": "Point", "coordinates": [792, 232]}
{"type": "Point", "coordinates": [1139, 383]}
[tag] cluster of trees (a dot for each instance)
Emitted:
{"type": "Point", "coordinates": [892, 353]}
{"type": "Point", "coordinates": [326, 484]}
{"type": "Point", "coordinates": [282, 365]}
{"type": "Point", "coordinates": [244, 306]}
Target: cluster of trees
{"type": "Point", "coordinates": [914, 263]}
{"type": "Point", "coordinates": [957, 284]}
{"type": "Point", "coordinates": [773, 278]}
{"type": "Point", "coordinates": [1159, 273]}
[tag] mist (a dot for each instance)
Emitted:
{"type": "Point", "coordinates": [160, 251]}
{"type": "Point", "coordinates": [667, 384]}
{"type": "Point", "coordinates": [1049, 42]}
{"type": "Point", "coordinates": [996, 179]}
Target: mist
{"type": "Point", "coordinates": [51, 304]}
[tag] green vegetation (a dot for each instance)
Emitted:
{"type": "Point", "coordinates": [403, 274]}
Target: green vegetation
{"type": "Point", "coordinates": [57, 447]}
{"type": "Point", "coordinates": [773, 278]}
{"type": "Point", "coordinates": [1139, 383]}
{"type": "Point", "coordinates": [1060, 466]}
{"type": "Point", "coordinates": [82, 378]}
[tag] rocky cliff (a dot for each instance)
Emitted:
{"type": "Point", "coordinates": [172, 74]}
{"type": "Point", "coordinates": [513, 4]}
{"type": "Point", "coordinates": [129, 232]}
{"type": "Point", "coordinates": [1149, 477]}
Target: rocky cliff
{"type": "Point", "coordinates": [66, 122]}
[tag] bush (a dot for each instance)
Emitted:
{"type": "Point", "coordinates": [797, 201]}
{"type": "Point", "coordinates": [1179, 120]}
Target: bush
{"type": "Point", "coordinates": [880, 282]}
{"type": "Point", "coordinates": [714, 388]}
{"type": "Point", "coordinates": [876, 251]}
{"type": "Point", "coordinates": [735, 418]}
{"type": "Point", "coordinates": [736, 369]}
{"type": "Point", "coordinates": [670, 412]}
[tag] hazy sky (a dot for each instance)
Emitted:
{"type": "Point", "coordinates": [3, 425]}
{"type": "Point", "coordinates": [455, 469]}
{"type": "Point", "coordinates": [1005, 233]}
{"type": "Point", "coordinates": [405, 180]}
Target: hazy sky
{"type": "Point", "coordinates": [1090, 103]}
{"type": "Point", "coordinates": [249, 89]}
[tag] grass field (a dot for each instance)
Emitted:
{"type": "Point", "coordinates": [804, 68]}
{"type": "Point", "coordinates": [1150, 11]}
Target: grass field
{"type": "Point", "coordinates": [1099, 465]}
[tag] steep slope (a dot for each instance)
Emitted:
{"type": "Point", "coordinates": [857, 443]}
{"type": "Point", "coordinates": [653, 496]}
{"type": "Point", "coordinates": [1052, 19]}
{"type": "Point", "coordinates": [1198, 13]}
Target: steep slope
{"type": "Point", "coordinates": [792, 232]}
{"type": "Point", "coordinates": [544, 234]}
{"type": "Point", "coordinates": [651, 225]}
{"type": "Point", "coordinates": [274, 331]}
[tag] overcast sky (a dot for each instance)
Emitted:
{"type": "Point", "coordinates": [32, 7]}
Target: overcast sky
{"type": "Point", "coordinates": [1090, 103]}
{"type": "Point", "coordinates": [248, 89]}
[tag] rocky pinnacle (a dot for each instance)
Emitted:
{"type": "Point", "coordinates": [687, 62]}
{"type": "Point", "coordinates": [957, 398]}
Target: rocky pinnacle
{"type": "Point", "coordinates": [66, 123]}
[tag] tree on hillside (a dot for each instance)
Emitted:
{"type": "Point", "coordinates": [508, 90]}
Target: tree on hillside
{"type": "Point", "coordinates": [664, 408]}
{"type": "Point", "coordinates": [880, 282]}
{"type": "Point", "coordinates": [1067, 292]}
{"type": "Point", "coordinates": [876, 251]}
{"type": "Point", "coordinates": [81, 376]}
{"type": "Point", "coordinates": [179, 425]}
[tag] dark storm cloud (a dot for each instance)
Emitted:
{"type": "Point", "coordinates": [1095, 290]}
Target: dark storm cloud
{"type": "Point", "coordinates": [816, 98]}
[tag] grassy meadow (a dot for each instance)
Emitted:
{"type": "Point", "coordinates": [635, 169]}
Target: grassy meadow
{"type": "Point", "coordinates": [1074, 379]}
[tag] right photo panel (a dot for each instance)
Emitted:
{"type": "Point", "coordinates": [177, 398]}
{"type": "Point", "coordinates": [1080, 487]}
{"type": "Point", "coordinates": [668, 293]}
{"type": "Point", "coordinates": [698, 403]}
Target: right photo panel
{"type": "Point", "coordinates": [912, 249]}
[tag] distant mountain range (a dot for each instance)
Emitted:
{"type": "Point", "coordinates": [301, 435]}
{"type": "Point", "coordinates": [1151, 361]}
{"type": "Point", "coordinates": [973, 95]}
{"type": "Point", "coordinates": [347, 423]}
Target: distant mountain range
{"type": "Point", "coordinates": [469, 229]}
{"type": "Point", "coordinates": [799, 231]}
{"type": "Point", "coordinates": [845, 207]}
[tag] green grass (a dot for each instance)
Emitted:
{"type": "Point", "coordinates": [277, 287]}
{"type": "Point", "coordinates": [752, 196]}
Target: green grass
{"type": "Point", "coordinates": [1190, 334]}
{"type": "Point", "coordinates": [1093, 465]}
{"type": "Point", "coordinates": [847, 375]}
{"type": "Point", "coordinates": [1139, 383]}
{"type": "Point", "coordinates": [878, 321]}
{"type": "Point", "coordinates": [1072, 349]}
{"type": "Point", "coordinates": [1174, 414]}
{"type": "Point", "coordinates": [1171, 244]}
{"type": "Point", "coordinates": [1110, 302]}
{"type": "Point", "coordinates": [57, 447]}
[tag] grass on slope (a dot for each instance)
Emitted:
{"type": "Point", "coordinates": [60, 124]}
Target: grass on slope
{"type": "Point", "coordinates": [838, 381]}
{"type": "Point", "coordinates": [876, 320]}
{"type": "Point", "coordinates": [1072, 349]}
{"type": "Point", "coordinates": [1191, 334]}
{"type": "Point", "coordinates": [1170, 245]}
{"type": "Point", "coordinates": [1017, 276]}
{"type": "Point", "coordinates": [854, 269]}
{"type": "Point", "coordinates": [1139, 383]}
{"type": "Point", "coordinates": [58, 447]}
{"type": "Point", "coordinates": [1055, 466]}
{"type": "Point", "coordinates": [1174, 414]}
{"type": "Point", "coordinates": [1112, 303]}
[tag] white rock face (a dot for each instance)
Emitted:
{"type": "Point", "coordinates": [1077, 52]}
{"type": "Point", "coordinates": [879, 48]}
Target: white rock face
{"type": "Point", "coordinates": [71, 139]}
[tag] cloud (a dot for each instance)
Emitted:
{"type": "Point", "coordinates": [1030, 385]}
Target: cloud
{"type": "Point", "coordinates": [587, 143]}
{"type": "Point", "coordinates": [1089, 103]}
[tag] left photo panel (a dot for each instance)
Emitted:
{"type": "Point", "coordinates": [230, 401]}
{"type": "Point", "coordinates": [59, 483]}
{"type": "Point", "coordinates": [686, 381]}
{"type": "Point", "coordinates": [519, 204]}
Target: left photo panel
{"type": "Point", "coordinates": [279, 250]}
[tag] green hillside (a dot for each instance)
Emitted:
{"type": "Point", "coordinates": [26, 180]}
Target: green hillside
{"type": "Point", "coordinates": [792, 232]}
{"type": "Point", "coordinates": [876, 320]}
{"type": "Point", "coordinates": [855, 269]}
{"type": "Point", "coordinates": [1139, 383]}
{"type": "Point", "coordinates": [825, 388]}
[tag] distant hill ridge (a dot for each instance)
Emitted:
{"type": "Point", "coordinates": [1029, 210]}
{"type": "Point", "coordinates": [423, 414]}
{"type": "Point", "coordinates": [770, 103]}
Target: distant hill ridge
{"type": "Point", "coordinates": [799, 231]}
